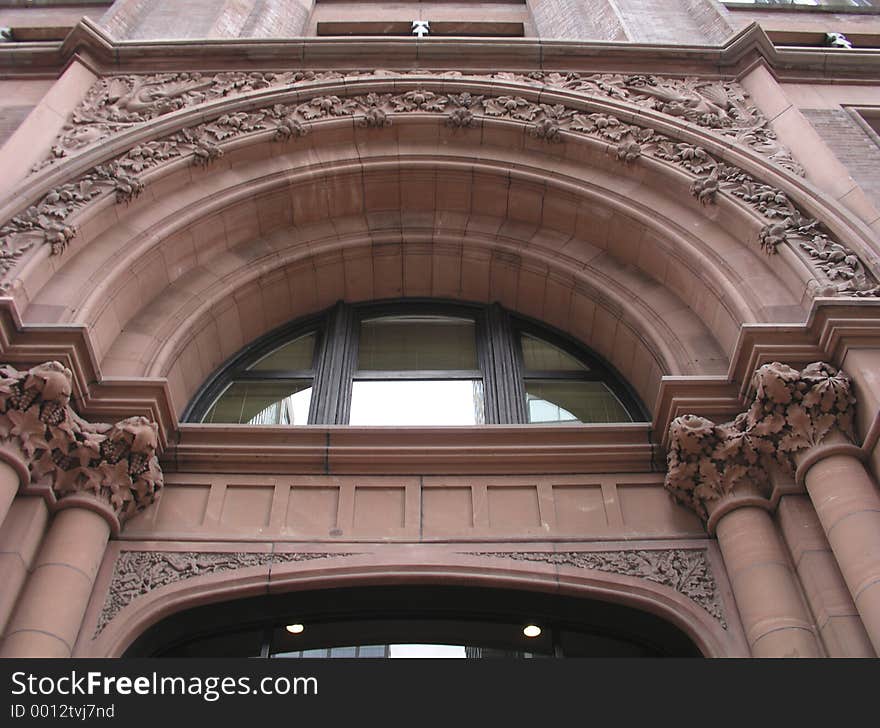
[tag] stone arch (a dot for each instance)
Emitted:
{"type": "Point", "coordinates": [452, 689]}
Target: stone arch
{"type": "Point", "coordinates": [103, 638]}
{"type": "Point", "coordinates": [648, 242]}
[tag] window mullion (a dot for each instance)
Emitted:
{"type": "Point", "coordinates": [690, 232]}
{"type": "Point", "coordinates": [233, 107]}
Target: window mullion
{"type": "Point", "coordinates": [505, 367]}
{"type": "Point", "coordinates": [333, 376]}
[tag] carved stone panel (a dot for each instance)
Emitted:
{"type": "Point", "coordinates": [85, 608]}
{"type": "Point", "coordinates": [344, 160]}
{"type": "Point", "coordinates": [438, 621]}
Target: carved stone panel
{"type": "Point", "coordinates": [687, 571]}
{"type": "Point", "coordinates": [136, 573]}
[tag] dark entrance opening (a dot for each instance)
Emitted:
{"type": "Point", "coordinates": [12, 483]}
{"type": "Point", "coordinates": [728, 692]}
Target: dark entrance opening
{"type": "Point", "coordinates": [392, 621]}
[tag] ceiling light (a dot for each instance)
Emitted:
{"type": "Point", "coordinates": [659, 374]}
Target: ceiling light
{"type": "Point", "coordinates": [298, 628]}
{"type": "Point", "coordinates": [532, 630]}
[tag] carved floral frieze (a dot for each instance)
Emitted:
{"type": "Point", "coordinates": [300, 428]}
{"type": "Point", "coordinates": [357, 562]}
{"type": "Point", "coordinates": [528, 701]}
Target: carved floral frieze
{"type": "Point", "coordinates": [687, 571]}
{"type": "Point", "coordinates": [117, 103]}
{"type": "Point", "coordinates": [792, 411]}
{"type": "Point", "coordinates": [718, 106]}
{"type": "Point", "coordinates": [116, 464]}
{"type": "Point", "coordinates": [136, 573]}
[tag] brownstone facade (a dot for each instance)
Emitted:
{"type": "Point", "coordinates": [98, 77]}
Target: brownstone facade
{"type": "Point", "coordinates": [684, 188]}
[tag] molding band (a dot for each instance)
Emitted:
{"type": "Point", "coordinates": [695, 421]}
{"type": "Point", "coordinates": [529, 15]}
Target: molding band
{"type": "Point", "coordinates": [816, 454]}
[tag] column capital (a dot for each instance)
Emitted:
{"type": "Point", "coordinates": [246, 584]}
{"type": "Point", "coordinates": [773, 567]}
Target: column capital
{"type": "Point", "coordinates": [792, 411]}
{"type": "Point", "coordinates": [112, 469]}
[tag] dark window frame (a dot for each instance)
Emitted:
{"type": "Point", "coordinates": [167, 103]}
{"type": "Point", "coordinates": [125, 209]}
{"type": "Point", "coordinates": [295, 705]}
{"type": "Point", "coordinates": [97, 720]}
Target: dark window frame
{"type": "Point", "coordinates": [499, 356]}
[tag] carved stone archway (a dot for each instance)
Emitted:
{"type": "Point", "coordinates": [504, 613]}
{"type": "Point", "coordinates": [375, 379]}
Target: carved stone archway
{"type": "Point", "coordinates": [681, 586]}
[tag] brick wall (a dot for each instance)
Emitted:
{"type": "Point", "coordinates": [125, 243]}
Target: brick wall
{"type": "Point", "coordinates": [577, 19]}
{"type": "Point", "coordinates": [670, 21]}
{"type": "Point", "coordinates": [692, 22]}
{"type": "Point", "coordinates": [150, 19]}
{"type": "Point", "coordinates": [851, 145]}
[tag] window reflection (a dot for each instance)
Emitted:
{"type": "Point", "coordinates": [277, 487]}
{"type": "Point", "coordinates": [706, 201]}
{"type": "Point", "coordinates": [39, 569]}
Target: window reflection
{"type": "Point", "coordinates": [540, 355]}
{"type": "Point", "coordinates": [296, 355]}
{"type": "Point", "coordinates": [262, 403]}
{"type": "Point", "coordinates": [408, 343]}
{"type": "Point", "coordinates": [561, 401]}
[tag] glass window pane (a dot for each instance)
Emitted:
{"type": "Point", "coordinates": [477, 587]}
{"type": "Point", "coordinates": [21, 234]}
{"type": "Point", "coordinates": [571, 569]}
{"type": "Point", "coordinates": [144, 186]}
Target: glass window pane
{"type": "Point", "coordinates": [295, 355]}
{"type": "Point", "coordinates": [263, 403]}
{"type": "Point", "coordinates": [427, 651]}
{"type": "Point", "coordinates": [558, 401]}
{"type": "Point", "coordinates": [541, 356]}
{"type": "Point", "coordinates": [371, 651]}
{"type": "Point", "coordinates": [416, 402]}
{"type": "Point", "coordinates": [417, 342]}
{"type": "Point", "coordinates": [343, 652]}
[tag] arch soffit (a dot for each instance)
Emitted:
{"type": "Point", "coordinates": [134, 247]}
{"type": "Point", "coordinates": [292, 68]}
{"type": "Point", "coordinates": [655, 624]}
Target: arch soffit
{"type": "Point", "coordinates": [256, 252]}
{"type": "Point", "coordinates": [707, 633]}
{"type": "Point", "coordinates": [188, 323]}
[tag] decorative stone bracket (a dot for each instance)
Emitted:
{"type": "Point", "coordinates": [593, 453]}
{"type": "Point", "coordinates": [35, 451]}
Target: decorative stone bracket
{"type": "Point", "coordinates": [792, 411]}
{"type": "Point", "coordinates": [109, 468]}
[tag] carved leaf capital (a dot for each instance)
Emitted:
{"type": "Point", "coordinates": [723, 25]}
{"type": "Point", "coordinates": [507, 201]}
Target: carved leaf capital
{"type": "Point", "coordinates": [791, 411]}
{"type": "Point", "coordinates": [116, 464]}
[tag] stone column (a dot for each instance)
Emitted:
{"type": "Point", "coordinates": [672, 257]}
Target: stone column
{"type": "Point", "coordinates": [796, 418]}
{"type": "Point", "coordinates": [10, 480]}
{"type": "Point", "coordinates": [50, 610]}
{"type": "Point", "coordinates": [20, 538]}
{"type": "Point", "coordinates": [93, 477]}
{"type": "Point", "coordinates": [716, 472]}
{"type": "Point", "coordinates": [775, 618]}
{"type": "Point", "coordinates": [848, 506]}
{"type": "Point", "coordinates": [837, 619]}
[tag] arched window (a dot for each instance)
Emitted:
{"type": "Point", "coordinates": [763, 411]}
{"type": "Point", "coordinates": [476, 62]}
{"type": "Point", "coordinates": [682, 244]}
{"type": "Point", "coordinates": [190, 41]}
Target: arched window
{"type": "Point", "coordinates": [414, 363]}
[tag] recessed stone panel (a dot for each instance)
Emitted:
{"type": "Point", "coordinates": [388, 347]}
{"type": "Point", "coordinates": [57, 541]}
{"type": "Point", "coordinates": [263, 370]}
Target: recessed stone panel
{"type": "Point", "coordinates": [649, 508]}
{"type": "Point", "coordinates": [513, 507]}
{"type": "Point", "coordinates": [182, 505]}
{"type": "Point", "coordinates": [579, 507]}
{"type": "Point", "coordinates": [447, 511]}
{"type": "Point", "coordinates": [312, 510]}
{"type": "Point", "coordinates": [379, 510]}
{"type": "Point", "coordinates": [247, 506]}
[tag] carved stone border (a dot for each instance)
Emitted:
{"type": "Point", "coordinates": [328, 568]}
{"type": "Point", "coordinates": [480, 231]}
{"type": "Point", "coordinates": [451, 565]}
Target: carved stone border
{"type": "Point", "coordinates": [687, 571]}
{"type": "Point", "coordinates": [119, 102]}
{"type": "Point", "coordinates": [136, 573]}
{"type": "Point", "coordinates": [50, 220]}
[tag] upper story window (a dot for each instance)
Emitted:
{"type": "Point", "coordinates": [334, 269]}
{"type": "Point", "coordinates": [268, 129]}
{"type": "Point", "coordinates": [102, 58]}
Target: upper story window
{"type": "Point", "coordinates": [414, 364]}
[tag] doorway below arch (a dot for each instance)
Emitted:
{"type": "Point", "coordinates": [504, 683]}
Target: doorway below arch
{"type": "Point", "coordinates": [412, 621]}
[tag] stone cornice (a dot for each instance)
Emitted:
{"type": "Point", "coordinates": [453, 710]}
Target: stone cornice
{"type": "Point", "coordinates": [832, 328]}
{"type": "Point", "coordinates": [341, 449]}
{"type": "Point", "coordinates": [712, 466]}
{"type": "Point", "coordinates": [90, 43]}
{"type": "Point", "coordinates": [112, 469]}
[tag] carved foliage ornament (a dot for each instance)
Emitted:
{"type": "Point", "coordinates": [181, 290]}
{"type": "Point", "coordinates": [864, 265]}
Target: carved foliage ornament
{"type": "Point", "coordinates": [50, 220]}
{"type": "Point", "coordinates": [687, 571]}
{"type": "Point", "coordinates": [117, 103]}
{"type": "Point", "coordinates": [792, 411]}
{"type": "Point", "coordinates": [136, 573]}
{"type": "Point", "coordinates": [116, 464]}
